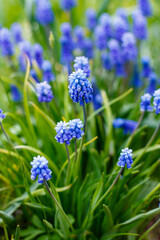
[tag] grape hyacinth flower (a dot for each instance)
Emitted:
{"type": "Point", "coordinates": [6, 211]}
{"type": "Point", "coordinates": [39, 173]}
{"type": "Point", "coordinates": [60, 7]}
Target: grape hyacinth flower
{"type": "Point", "coordinates": [120, 27]}
{"type": "Point", "coordinates": [156, 101]}
{"type": "Point", "coordinates": [83, 64]}
{"type": "Point", "coordinates": [2, 115]}
{"type": "Point", "coordinates": [6, 42]}
{"type": "Point", "coordinates": [100, 38]}
{"type": "Point", "coordinates": [152, 83]}
{"type": "Point", "coordinates": [146, 103]}
{"type": "Point", "coordinates": [64, 133]}
{"type": "Point", "coordinates": [88, 48]}
{"type": "Point", "coordinates": [25, 49]}
{"type": "Point", "coordinates": [91, 18]}
{"type": "Point", "coordinates": [105, 23]}
{"type": "Point", "coordinates": [38, 54]}
{"type": "Point", "coordinates": [79, 37]}
{"type": "Point", "coordinates": [44, 13]}
{"type": "Point", "coordinates": [44, 92]}
{"type": "Point", "coordinates": [40, 169]}
{"type": "Point", "coordinates": [106, 61]}
{"type": "Point", "coordinates": [67, 5]}
{"type": "Point", "coordinates": [146, 68]}
{"type": "Point", "coordinates": [15, 93]}
{"type": "Point", "coordinates": [80, 88]}
{"type": "Point", "coordinates": [48, 75]}
{"type": "Point", "coordinates": [75, 126]}
{"type": "Point", "coordinates": [136, 79]}
{"type": "Point", "coordinates": [145, 7]}
{"type": "Point", "coordinates": [66, 30]}
{"type": "Point", "coordinates": [125, 158]}
{"type": "Point", "coordinates": [129, 47]}
{"type": "Point", "coordinates": [97, 97]}
{"type": "Point", "coordinates": [33, 74]}
{"type": "Point", "coordinates": [121, 12]}
{"type": "Point", "coordinates": [16, 31]}
{"type": "Point", "coordinates": [127, 125]}
{"type": "Point", "coordinates": [139, 26]}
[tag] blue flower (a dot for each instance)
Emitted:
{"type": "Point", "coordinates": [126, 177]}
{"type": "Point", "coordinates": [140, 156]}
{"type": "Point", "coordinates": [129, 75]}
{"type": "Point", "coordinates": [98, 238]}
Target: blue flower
{"type": "Point", "coordinates": [152, 83]}
{"type": "Point", "coordinates": [67, 5]}
{"type": "Point", "coordinates": [66, 29]}
{"type": "Point", "coordinates": [125, 158]}
{"type": "Point", "coordinates": [83, 64]}
{"type": "Point", "coordinates": [91, 18]}
{"type": "Point", "coordinates": [88, 48]}
{"type": "Point", "coordinates": [40, 169]}
{"type": "Point", "coordinates": [16, 94]}
{"type": "Point", "coordinates": [120, 69]}
{"type": "Point", "coordinates": [79, 37]}
{"type": "Point", "coordinates": [2, 115]}
{"type": "Point", "coordinates": [97, 97]}
{"type": "Point", "coordinates": [48, 75]}
{"type": "Point", "coordinates": [16, 30]}
{"type": "Point", "coordinates": [75, 126]}
{"type": "Point", "coordinates": [6, 42]}
{"type": "Point", "coordinates": [129, 47]}
{"type": "Point", "coordinates": [80, 88]}
{"type": "Point", "coordinates": [44, 13]}
{"type": "Point", "coordinates": [64, 133]}
{"type": "Point", "coordinates": [38, 54]}
{"type": "Point", "coordinates": [44, 92]}
{"type": "Point", "coordinates": [146, 68]}
{"type": "Point", "coordinates": [120, 27]}
{"type": "Point", "coordinates": [146, 103]}
{"type": "Point", "coordinates": [100, 38]}
{"type": "Point", "coordinates": [156, 100]}
{"type": "Point", "coordinates": [106, 61]}
{"type": "Point", "coordinates": [136, 79]}
{"type": "Point", "coordinates": [25, 49]}
{"type": "Point", "coordinates": [127, 125]}
{"type": "Point", "coordinates": [139, 26]}
{"type": "Point", "coordinates": [121, 12]}
{"type": "Point", "coordinates": [114, 51]}
{"type": "Point", "coordinates": [145, 6]}
{"type": "Point", "coordinates": [34, 75]}
{"type": "Point", "coordinates": [105, 23]}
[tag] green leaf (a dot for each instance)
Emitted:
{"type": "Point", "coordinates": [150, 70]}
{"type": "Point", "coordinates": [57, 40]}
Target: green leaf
{"type": "Point", "coordinates": [50, 226]}
{"type": "Point", "coordinates": [38, 206]}
{"type": "Point", "coordinates": [7, 218]}
{"type": "Point", "coordinates": [17, 235]}
{"type": "Point", "coordinates": [109, 216]}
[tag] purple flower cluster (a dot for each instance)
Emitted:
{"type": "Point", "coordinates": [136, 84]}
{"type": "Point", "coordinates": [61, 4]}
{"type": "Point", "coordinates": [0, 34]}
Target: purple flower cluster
{"type": "Point", "coordinates": [6, 42]}
{"type": "Point", "coordinates": [156, 101]}
{"type": "Point", "coordinates": [145, 7]}
{"type": "Point", "coordinates": [2, 115]}
{"type": "Point", "coordinates": [146, 103]}
{"type": "Point", "coordinates": [44, 13]}
{"type": "Point", "coordinates": [48, 75]}
{"type": "Point", "coordinates": [125, 158]}
{"type": "Point", "coordinates": [83, 64]}
{"type": "Point", "coordinates": [44, 92]}
{"type": "Point", "coordinates": [91, 18]}
{"type": "Point", "coordinates": [38, 54]}
{"type": "Point", "coordinates": [16, 31]}
{"type": "Point", "coordinates": [67, 5]}
{"type": "Point", "coordinates": [129, 47]}
{"type": "Point", "coordinates": [127, 125]}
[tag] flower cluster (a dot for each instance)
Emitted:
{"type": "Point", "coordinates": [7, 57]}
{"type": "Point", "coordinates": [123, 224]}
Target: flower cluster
{"type": "Point", "coordinates": [80, 88]}
{"type": "Point", "coordinates": [44, 92]}
{"type": "Point", "coordinates": [44, 13]}
{"type": "Point", "coordinates": [127, 125]}
{"type": "Point", "coordinates": [129, 47]}
{"type": "Point", "coordinates": [40, 169]}
{"type": "Point", "coordinates": [2, 115]}
{"type": "Point", "coordinates": [91, 18]}
{"type": "Point", "coordinates": [146, 103]}
{"type": "Point", "coordinates": [83, 64]}
{"type": "Point", "coordinates": [6, 42]}
{"type": "Point", "coordinates": [16, 94]}
{"type": "Point", "coordinates": [67, 5]}
{"type": "Point", "coordinates": [38, 54]}
{"type": "Point", "coordinates": [67, 131]}
{"type": "Point", "coordinates": [156, 101]}
{"type": "Point", "coordinates": [125, 158]}
{"type": "Point", "coordinates": [47, 71]}
{"type": "Point", "coordinates": [25, 49]}
{"type": "Point", "coordinates": [16, 31]}
{"type": "Point", "coordinates": [145, 7]}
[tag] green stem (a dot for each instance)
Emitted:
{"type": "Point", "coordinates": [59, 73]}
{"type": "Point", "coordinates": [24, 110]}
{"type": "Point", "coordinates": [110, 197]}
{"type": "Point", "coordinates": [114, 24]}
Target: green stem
{"type": "Point", "coordinates": [68, 156]}
{"type": "Point", "coordinates": [133, 134]}
{"type": "Point", "coordinates": [57, 204]}
{"type": "Point", "coordinates": [8, 139]}
{"type": "Point", "coordinates": [75, 143]}
{"type": "Point", "coordinates": [148, 144]}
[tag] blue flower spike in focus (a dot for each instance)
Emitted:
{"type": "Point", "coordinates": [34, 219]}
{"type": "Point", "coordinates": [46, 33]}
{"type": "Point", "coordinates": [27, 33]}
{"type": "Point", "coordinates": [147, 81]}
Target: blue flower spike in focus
{"type": "Point", "coordinates": [75, 126]}
{"type": "Point", "coordinates": [146, 103]}
{"type": "Point", "coordinates": [64, 133]}
{"type": "Point", "coordinates": [156, 101]}
{"type": "Point", "coordinates": [125, 158]}
{"type": "Point", "coordinates": [40, 169]}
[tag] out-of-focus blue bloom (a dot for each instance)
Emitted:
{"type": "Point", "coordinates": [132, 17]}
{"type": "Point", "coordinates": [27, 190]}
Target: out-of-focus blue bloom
{"type": "Point", "coordinates": [66, 30]}
{"type": "Point", "coordinates": [64, 133]}
{"type": "Point", "coordinates": [139, 26]}
{"type": "Point", "coordinates": [2, 115]}
{"type": "Point", "coordinates": [146, 68]}
{"type": "Point", "coordinates": [80, 88]}
{"type": "Point", "coordinates": [136, 79]}
{"type": "Point", "coordinates": [114, 51]}
{"type": "Point", "coordinates": [44, 92]}
{"type": "Point", "coordinates": [127, 125]}
{"type": "Point", "coordinates": [121, 12]}
{"type": "Point", "coordinates": [120, 69]}
{"type": "Point", "coordinates": [156, 100]}
{"type": "Point", "coordinates": [38, 54]}
{"type": "Point", "coordinates": [100, 38]}
{"type": "Point", "coordinates": [152, 83]}
{"type": "Point", "coordinates": [48, 75]}
{"type": "Point", "coordinates": [97, 97]}
{"type": "Point", "coordinates": [106, 61]}
{"type": "Point", "coordinates": [125, 158]}
{"type": "Point", "coordinates": [120, 27]}
{"type": "Point", "coordinates": [34, 75]}
{"type": "Point", "coordinates": [44, 13]}
{"type": "Point", "coordinates": [25, 49]}
{"type": "Point", "coordinates": [88, 48]}
{"type": "Point", "coordinates": [16, 30]}
{"type": "Point", "coordinates": [91, 18]}
{"type": "Point", "coordinates": [145, 6]}
{"type": "Point", "coordinates": [6, 42]}
{"type": "Point", "coordinates": [105, 23]}
{"type": "Point", "coordinates": [67, 5]}
{"type": "Point", "coordinates": [129, 47]}
{"type": "Point", "coordinates": [79, 37]}
{"type": "Point", "coordinates": [75, 126]}
{"type": "Point", "coordinates": [83, 64]}
{"type": "Point", "coordinates": [146, 103]}
{"type": "Point", "coordinates": [16, 94]}
{"type": "Point", "coordinates": [40, 169]}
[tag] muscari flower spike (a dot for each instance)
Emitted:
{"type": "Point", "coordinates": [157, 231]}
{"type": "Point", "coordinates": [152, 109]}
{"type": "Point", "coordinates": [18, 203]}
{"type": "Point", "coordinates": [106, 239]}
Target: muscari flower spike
{"type": "Point", "coordinates": [146, 68]}
{"type": "Point", "coordinates": [153, 79]}
{"type": "Point", "coordinates": [88, 48]}
{"type": "Point", "coordinates": [106, 61]}
{"type": "Point", "coordinates": [156, 101]}
{"type": "Point", "coordinates": [125, 158]}
{"type": "Point", "coordinates": [146, 103]}
{"type": "Point", "coordinates": [16, 94]}
{"type": "Point", "coordinates": [44, 92]}
{"type": "Point", "coordinates": [100, 38]}
{"type": "Point", "coordinates": [48, 75]}
{"type": "Point", "coordinates": [38, 54]}
{"type": "Point", "coordinates": [44, 13]}
{"type": "Point", "coordinates": [2, 115]}
{"type": "Point", "coordinates": [120, 27]}
{"type": "Point", "coordinates": [25, 49]}
{"type": "Point", "coordinates": [128, 126]}
{"type": "Point", "coordinates": [80, 88]}
{"type": "Point", "coordinates": [139, 26]}
{"type": "Point", "coordinates": [40, 169]}
{"type": "Point", "coordinates": [129, 46]}
{"type": "Point", "coordinates": [66, 29]}
{"type": "Point", "coordinates": [6, 42]}
{"type": "Point", "coordinates": [64, 133]}
{"type": "Point", "coordinates": [75, 126]}
{"type": "Point", "coordinates": [91, 18]}
{"type": "Point", "coordinates": [121, 12]}
{"type": "Point", "coordinates": [33, 74]}
{"type": "Point", "coordinates": [16, 31]}
{"type": "Point", "coordinates": [79, 37]}
{"type": "Point", "coordinates": [83, 64]}
{"type": "Point", "coordinates": [105, 23]}
{"type": "Point", "coordinates": [145, 7]}
{"type": "Point", "coordinates": [67, 5]}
